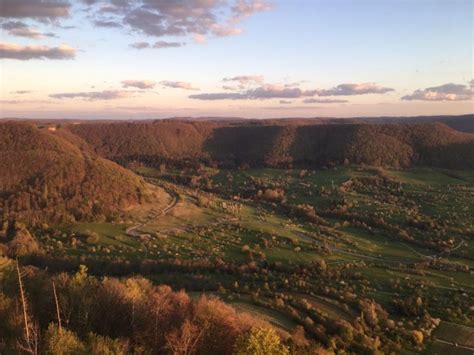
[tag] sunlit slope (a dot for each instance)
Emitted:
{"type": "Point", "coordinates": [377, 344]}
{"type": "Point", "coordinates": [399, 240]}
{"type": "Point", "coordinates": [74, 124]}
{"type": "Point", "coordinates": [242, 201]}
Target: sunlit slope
{"type": "Point", "coordinates": [44, 177]}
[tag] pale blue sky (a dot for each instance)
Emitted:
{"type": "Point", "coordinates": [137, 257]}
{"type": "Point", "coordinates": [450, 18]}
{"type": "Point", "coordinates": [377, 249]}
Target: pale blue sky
{"type": "Point", "coordinates": [400, 45]}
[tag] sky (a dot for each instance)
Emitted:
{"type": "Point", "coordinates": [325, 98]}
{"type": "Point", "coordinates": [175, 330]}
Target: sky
{"type": "Point", "coordinates": [145, 59]}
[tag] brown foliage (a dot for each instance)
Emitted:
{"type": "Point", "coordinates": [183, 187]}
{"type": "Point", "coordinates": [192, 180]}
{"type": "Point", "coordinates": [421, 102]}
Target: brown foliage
{"type": "Point", "coordinates": [22, 243]}
{"type": "Point", "coordinates": [281, 145]}
{"type": "Point", "coordinates": [133, 311]}
{"type": "Point", "coordinates": [45, 177]}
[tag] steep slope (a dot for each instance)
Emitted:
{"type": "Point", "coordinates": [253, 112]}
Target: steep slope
{"type": "Point", "coordinates": [236, 144]}
{"type": "Point", "coordinates": [416, 144]}
{"type": "Point", "coordinates": [147, 142]}
{"type": "Point", "coordinates": [52, 176]}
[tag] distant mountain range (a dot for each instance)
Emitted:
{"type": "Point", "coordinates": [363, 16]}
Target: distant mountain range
{"type": "Point", "coordinates": [462, 123]}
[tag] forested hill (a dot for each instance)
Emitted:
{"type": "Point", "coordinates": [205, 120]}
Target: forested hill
{"type": "Point", "coordinates": [66, 174]}
{"type": "Point", "coordinates": [54, 176]}
{"type": "Point", "coordinates": [462, 123]}
{"type": "Point", "coordinates": [236, 144]}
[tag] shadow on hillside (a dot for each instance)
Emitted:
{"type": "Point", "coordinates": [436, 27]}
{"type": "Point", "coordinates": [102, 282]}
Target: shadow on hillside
{"type": "Point", "coordinates": [279, 146]}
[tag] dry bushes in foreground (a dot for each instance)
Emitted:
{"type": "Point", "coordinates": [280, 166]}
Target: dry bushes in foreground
{"type": "Point", "coordinates": [117, 316]}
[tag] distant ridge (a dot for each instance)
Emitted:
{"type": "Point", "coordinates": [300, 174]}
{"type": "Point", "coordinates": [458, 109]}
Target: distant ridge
{"type": "Point", "coordinates": [207, 118]}
{"type": "Point", "coordinates": [462, 123]}
{"type": "Point", "coordinates": [279, 145]}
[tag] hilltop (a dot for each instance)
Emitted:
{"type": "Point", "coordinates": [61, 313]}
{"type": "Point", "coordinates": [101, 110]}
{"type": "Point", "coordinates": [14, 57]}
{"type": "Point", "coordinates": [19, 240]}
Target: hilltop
{"type": "Point", "coordinates": [54, 176]}
{"type": "Point", "coordinates": [462, 123]}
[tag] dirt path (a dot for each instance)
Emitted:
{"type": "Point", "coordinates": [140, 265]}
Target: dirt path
{"type": "Point", "coordinates": [332, 307]}
{"type": "Point", "coordinates": [134, 231]}
{"type": "Point", "coordinates": [459, 335]}
{"type": "Point", "coordinates": [434, 255]}
{"type": "Point", "coordinates": [454, 344]}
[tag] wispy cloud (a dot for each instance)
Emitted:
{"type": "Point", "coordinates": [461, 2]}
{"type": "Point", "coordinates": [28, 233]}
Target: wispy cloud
{"type": "Point", "coordinates": [252, 88]}
{"type": "Point", "coordinates": [355, 89]}
{"type": "Point", "coordinates": [37, 9]}
{"type": "Point", "coordinates": [107, 24]}
{"type": "Point", "coordinates": [224, 31]}
{"type": "Point", "coordinates": [219, 96]}
{"type": "Point", "coordinates": [446, 92]}
{"type": "Point", "coordinates": [21, 92]}
{"type": "Point", "coordinates": [239, 12]}
{"type": "Point", "coordinates": [270, 91]}
{"type": "Point", "coordinates": [262, 92]}
{"type": "Point", "coordinates": [199, 38]}
{"type": "Point", "coordinates": [140, 45]}
{"type": "Point", "coordinates": [139, 84]}
{"type": "Point", "coordinates": [19, 102]}
{"type": "Point", "coordinates": [94, 95]}
{"type": "Point", "coordinates": [20, 29]}
{"type": "Point", "coordinates": [246, 79]}
{"type": "Point", "coordinates": [197, 18]}
{"type": "Point", "coordinates": [17, 51]}
{"type": "Point", "coordinates": [164, 44]}
{"type": "Point", "coordinates": [157, 45]}
{"type": "Point", "coordinates": [178, 85]}
{"type": "Point", "coordinates": [323, 101]}
{"type": "Point", "coordinates": [246, 8]}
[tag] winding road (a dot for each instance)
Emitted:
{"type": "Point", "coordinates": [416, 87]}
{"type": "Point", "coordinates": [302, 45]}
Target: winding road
{"type": "Point", "coordinates": [134, 231]}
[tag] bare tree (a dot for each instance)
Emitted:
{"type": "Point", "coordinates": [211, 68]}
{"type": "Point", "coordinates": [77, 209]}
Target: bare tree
{"type": "Point", "coordinates": [29, 343]}
{"type": "Point", "coordinates": [183, 341]}
{"type": "Point", "coordinates": [57, 308]}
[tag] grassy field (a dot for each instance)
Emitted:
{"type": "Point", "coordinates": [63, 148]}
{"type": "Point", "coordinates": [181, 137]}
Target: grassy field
{"type": "Point", "coordinates": [253, 220]}
{"type": "Point", "coordinates": [275, 318]}
{"type": "Point", "coordinates": [282, 323]}
{"type": "Point", "coordinates": [396, 233]}
{"type": "Point", "coordinates": [332, 308]}
{"type": "Point", "coordinates": [438, 348]}
{"type": "Point", "coordinates": [455, 333]}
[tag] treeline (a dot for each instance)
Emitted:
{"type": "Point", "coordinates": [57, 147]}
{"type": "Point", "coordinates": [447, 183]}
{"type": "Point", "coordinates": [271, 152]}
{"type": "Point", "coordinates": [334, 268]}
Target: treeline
{"type": "Point", "coordinates": [75, 313]}
{"type": "Point", "coordinates": [239, 145]}
{"type": "Point", "coordinates": [162, 140]}
{"type": "Point", "coordinates": [47, 177]}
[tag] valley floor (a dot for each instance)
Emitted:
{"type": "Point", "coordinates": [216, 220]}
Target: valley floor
{"type": "Point", "coordinates": [300, 246]}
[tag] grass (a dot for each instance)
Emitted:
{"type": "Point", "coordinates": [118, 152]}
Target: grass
{"type": "Point", "coordinates": [455, 333]}
{"type": "Point", "coordinates": [380, 245]}
{"type": "Point", "coordinates": [191, 232]}
{"type": "Point", "coordinates": [438, 348]}
{"type": "Point", "coordinates": [271, 316]}
{"type": "Point", "coordinates": [332, 308]}
{"type": "Point", "coordinates": [432, 176]}
{"type": "Point", "coordinates": [183, 219]}
{"type": "Point", "coordinates": [109, 234]}
{"type": "Point", "coordinates": [244, 304]}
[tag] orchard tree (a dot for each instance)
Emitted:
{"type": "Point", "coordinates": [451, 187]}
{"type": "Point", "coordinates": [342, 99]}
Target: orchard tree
{"type": "Point", "coordinates": [260, 341]}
